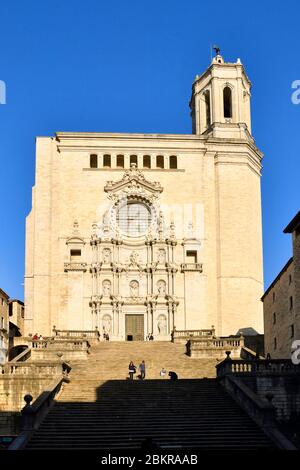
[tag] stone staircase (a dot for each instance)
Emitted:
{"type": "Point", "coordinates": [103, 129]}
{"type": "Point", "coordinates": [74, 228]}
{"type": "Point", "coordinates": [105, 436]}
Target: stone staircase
{"type": "Point", "coordinates": [101, 409]}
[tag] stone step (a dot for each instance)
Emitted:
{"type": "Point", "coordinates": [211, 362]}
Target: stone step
{"type": "Point", "coordinates": [101, 409]}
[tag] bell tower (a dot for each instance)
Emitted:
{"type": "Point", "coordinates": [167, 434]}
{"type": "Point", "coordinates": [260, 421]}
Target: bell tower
{"type": "Point", "coordinates": [220, 102]}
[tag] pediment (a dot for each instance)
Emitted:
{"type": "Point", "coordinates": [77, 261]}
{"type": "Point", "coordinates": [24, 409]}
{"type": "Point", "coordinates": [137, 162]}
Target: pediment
{"type": "Point", "coordinates": [133, 179]}
{"type": "Point", "coordinates": [75, 241]}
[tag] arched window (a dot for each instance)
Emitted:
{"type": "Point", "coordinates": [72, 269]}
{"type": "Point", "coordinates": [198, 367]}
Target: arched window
{"type": "Point", "coordinates": [173, 162]}
{"type": "Point", "coordinates": [106, 161]}
{"type": "Point", "coordinates": [146, 161]}
{"type": "Point", "coordinates": [207, 107]}
{"type": "Point", "coordinates": [227, 101]}
{"type": "Point", "coordinates": [133, 159]}
{"type": "Point", "coordinates": [160, 161]}
{"type": "Point", "coordinates": [93, 161]}
{"type": "Point", "coordinates": [120, 161]}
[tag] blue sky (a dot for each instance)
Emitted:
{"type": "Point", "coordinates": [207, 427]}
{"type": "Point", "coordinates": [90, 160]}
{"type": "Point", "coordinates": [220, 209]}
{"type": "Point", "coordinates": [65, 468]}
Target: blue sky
{"type": "Point", "coordinates": [128, 66]}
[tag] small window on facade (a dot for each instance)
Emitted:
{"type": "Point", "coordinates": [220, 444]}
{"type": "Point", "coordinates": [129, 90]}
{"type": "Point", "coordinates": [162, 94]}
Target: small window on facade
{"type": "Point", "coordinates": [274, 318]}
{"type": "Point", "coordinates": [275, 344]}
{"type": "Point", "coordinates": [160, 161]}
{"type": "Point", "coordinates": [75, 255]}
{"type": "Point", "coordinates": [133, 159]}
{"type": "Point", "coordinates": [173, 162]}
{"type": "Point", "coordinates": [227, 100]}
{"type": "Point", "coordinates": [274, 296]}
{"type": "Point", "coordinates": [291, 303]}
{"type": "Point", "coordinates": [106, 161]}
{"type": "Point", "coordinates": [191, 256]}
{"type": "Point", "coordinates": [146, 161]}
{"type": "Point", "coordinates": [93, 161]}
{"type": "Point", "coordinates": [292, 331]}
{"type": "Point", "coordinates": [120, 161]}
{"type": "Point", "coordinates": [290, 279]}
{"type": "Point", "coordinates": [207, 107]}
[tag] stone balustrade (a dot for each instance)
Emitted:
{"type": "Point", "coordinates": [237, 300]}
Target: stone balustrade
{"type": "Point", "coordinates": [67, 349]}
{"type": "Point", "coordinates": [63, 344]}
{"type": "Point", "coordinates": [268, 367]}
{"type": "Point", "coordinates": [40, 369]}
{"type": "Point", "coordinates": [268, 390]}
{"type": "Point", "coordinates": [33, 414]}
{"type": "Point", "coordinates": [91, 335]}
{"type": "Point", "coordinates": [191, 267]}
{"type": "Point", "coordinates": [261, 410]}
{"type": "Point", "coordinates": [75, 267]}
{"type": "Point", "coordinates": [182, 336]}
{"type": "Point", "coordinates": [204, 348]}
{"type": "Point", "coordinates": [23, 356]}
{"type": "Point", "coordinates": [20, 378]}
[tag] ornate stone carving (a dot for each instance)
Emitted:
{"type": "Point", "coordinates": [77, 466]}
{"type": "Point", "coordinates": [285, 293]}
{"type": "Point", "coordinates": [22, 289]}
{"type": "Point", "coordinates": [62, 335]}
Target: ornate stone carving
{"type": "Point", "coordinates": [106, 322]}
{"type": "Point", "coordinates": [134, 288]}
{"type": "Point", "coordinates": [162, 325]}
{"type": "Point", "coordinates": [132, 180]}
{"type": "Point", "coordinates": [161, 287]}
{"type": "Point", "coordinates": [161, 256]}
{"type": "Point", "coordinates": [106, 288]}
{"type": "Point", "coordinates": [106, 255]}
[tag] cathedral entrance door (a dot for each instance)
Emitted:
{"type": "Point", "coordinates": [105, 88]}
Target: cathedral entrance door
{"type": "Point", "coordinates": [134, 327]}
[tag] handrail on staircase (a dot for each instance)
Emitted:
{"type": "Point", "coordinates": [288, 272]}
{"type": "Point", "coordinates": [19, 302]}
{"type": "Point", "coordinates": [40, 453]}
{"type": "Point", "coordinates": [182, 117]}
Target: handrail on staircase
{"type": "Point", "coordinates": [23, 356]}
{"type": "Point", "coordinates": [33, 414]}
{"type": "Point", "coordinates": [262, 411]}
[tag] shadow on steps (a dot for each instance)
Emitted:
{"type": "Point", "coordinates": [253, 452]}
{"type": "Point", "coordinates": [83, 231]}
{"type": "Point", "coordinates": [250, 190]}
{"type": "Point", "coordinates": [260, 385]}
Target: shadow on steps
{"type": "Point", "coordinates": [181, 414]}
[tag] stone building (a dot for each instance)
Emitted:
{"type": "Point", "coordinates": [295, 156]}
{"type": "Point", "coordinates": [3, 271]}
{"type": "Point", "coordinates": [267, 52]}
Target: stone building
{"type": "Point", "coordinates": [140, 233]}
{"type": "Point", "coordinates": [281, 302]}
{"type": "Point", "coordinates": [4, 325]}
{"type": "Point", "coordinates": [16, 320]}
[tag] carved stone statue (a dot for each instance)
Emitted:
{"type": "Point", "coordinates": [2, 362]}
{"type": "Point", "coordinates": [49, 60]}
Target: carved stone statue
{"type": "Point", "coordinates": [106, 288]}
{"type": "Point", "coordinates": [162, 325]}
{"type": "Point", "coordinates": [161, 256]}
{"type": "Point", "coordinates": [106, 256]}
{"type": "Point", "coordinates": [134, 288]}
{"type": "Point", "coordinates": [161, 287]}
{"type": "Point", "coordinates": [106, 324]}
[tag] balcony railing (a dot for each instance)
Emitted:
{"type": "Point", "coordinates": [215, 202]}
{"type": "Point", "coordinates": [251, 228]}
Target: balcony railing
{"type": "Point", "coordinates": [75, 267]}
{"type": "Point", "coordinates": [192, 267]}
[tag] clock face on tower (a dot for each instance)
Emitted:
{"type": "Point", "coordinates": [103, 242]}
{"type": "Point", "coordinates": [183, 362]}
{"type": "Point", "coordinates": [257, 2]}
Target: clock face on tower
{"type": "Point", "coordinates": [134, 219]}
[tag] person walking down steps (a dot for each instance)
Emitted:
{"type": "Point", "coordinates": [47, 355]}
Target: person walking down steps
{"type": "Point", "coordinates": [132, 370]}
{"type": "Point", "coordinates": [142, 369]}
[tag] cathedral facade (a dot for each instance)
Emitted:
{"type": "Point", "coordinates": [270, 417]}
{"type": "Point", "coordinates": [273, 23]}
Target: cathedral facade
{"type": "Point", "coordinates": [138, 234]}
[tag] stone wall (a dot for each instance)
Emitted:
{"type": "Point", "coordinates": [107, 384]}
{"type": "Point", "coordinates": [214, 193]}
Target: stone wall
{"type": "Point", "coordinates": [285, 390]}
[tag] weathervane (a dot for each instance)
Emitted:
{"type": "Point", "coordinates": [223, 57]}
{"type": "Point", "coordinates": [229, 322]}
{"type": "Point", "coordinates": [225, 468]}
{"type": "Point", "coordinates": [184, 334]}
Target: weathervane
{"type": "Point", "coordinates": [217, 50]}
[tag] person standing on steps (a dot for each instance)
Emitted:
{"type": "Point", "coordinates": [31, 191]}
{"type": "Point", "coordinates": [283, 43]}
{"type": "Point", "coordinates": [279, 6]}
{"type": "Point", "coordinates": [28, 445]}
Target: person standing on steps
{"type": "Point", "coordinates": [142, 369]}
{"type": "Point", "coordinates": [132, 370]}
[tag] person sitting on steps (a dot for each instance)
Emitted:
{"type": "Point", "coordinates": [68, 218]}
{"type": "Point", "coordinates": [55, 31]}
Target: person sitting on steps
{"type": "Point", "coordinates": [173, 376]}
